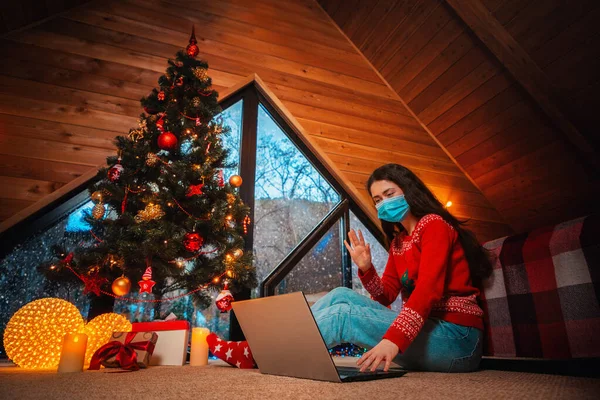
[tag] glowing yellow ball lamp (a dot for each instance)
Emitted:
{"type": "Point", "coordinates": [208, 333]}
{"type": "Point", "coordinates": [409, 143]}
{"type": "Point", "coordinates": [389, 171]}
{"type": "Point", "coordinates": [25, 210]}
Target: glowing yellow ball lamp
{"type": "Point", "coordinates": [100, 329]}
{"type": "Point", "coordinates": [34, 335]}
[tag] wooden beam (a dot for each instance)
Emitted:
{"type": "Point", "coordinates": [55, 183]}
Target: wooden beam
{"type": "Point", "coordinates": [24, 213]}
{"type": "Point", "coordinates": [522, 67]}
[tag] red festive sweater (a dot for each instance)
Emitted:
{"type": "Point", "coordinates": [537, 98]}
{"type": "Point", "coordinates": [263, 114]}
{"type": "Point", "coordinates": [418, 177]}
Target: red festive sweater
{"type": "Point", "coordinates": [429, 268]}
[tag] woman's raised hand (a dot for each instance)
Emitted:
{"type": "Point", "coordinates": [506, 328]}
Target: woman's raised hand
{"type": "Point", "coordinates": [359, 250]}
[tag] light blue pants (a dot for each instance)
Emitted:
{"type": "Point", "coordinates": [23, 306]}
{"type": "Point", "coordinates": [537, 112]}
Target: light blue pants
{"type": "Point", "coordinates": [344, 316]}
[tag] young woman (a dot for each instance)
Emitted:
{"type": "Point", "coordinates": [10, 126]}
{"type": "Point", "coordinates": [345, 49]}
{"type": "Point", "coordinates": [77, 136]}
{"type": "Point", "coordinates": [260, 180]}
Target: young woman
{"type": "Point", "coordinates": [433, 262]}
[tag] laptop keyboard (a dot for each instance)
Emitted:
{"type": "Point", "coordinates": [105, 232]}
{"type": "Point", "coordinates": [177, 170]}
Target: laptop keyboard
{"type": "Point", "coordinates": [350, 371]}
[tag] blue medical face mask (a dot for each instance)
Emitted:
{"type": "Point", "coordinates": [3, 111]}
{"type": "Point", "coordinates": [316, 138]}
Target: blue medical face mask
{"type": "Point", "coordinates": [393, 209]}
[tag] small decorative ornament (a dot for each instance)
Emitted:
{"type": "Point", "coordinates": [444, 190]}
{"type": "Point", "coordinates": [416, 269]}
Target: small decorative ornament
{"type": "Point", "coordinates": [198, 122]}
{"type": "Point", "coordinates": [34, 334]}
{"type": "Point", "coordinates": [196, 102]}
{"type": "Point", "coordinates": [93, 281]}
{"type": "Point", "coordinates": [195, 190]}
{"type": "Point", "coordinates": [161, 95]}
{"type": "Point", "coordinates": [146, 284]}
{"type": "Point", "coordinates": [193, 242]}
{"type": "Point", "coordinates": [136, 134]}
{"type": "Point", "coordinates": [179, 81]}
{"type": "Point", "coordinates": [224, 299]}
{"type": "Point", "coordinates": [114, 173]}
{"type": "Point", "coordinates": [201, 74]}
{"type": "Point", "coordinates": [235, 180]}
{"type": "Point", "coordinates": [121, 286]}
{"type": "Point", "coordinates": [98, 211]}
{"type": "Point", "coordinates": [230, 198]}
{"type": "Point", "coordinates": [192, 49]}
{"type": "Point", "coordinates": [167, 141]}
{"type": "Point", "coordinates": [221, 179]}
{"type": "Point", "coordinates": [238, 253]}
{"type": "Point", "coordinates": [152, 159]}
{"type": "Point", "coordinates": [160, 123]}
{"type": "Point", "coordinates": [246, 222]}
{"type": "Point", "coordinates": [97, 196]}
{"type": "Point", "coordinates": [152, 211]}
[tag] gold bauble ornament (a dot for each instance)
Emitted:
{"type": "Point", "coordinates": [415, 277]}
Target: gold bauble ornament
{"type": "Point", "coordinates": [230, 198]}
{"type": "Point", "coordinates": [235, 180]}
{"type": "Point", "coordinates": [100, 330]}
{"type": "Point", "coordinates": [152, 211]}
{"type": "Point", "coordinates": [34, 334]}
{"type": "Point", "coordinates": [98, 196]}
{"type": "Point", "coordinates": [237, 253]}
{"type": "Point", "coordinates": [98, 211]}
{"type": "Point", "coordinates": [196, 102]}
{"type": "Point", "coordinates": [121, 286]}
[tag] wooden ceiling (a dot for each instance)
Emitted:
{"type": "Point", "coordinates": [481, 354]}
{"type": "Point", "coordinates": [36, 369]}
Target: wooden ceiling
{"type": "Point", "coordinates": [508, 88]}
{"type": "Point", "coordinates": [72, 83]}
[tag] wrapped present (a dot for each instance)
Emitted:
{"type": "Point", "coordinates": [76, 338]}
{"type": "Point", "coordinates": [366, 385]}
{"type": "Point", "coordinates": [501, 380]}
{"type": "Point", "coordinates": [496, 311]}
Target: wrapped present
{"type": "Point", "coordinates": [127, 350]}
{"type": "Point", "coordinates": [171, 348]}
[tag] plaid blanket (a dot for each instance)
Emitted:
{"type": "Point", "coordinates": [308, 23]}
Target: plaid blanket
{"type": "Point", "coordinates": [543, 297]}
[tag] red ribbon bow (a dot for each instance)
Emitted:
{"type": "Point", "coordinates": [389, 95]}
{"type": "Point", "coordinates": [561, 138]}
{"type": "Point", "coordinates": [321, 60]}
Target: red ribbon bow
{"type": "Point", "coordinates": [125, 353]}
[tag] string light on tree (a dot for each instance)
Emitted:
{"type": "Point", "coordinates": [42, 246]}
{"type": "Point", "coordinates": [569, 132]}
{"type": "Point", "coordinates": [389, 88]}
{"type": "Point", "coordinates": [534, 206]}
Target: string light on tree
{"type": "Point", "coordinates": [448, 204]}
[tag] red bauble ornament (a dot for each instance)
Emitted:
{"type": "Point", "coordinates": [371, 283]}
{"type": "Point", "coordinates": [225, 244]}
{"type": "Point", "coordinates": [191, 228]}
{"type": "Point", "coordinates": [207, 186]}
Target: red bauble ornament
{"type": "Point", "coordinates": [161, 95]}
{"type": "Point", "coordinates": [191, 49]}
{"type": "Point", "coordinates": [150, 110]}
{"type": "Point", "coordinates": [193, 242]}
{"type": "Point", "coordinates": [114, 173]}
{"type": "Point", "coordinates": [224, 299]}
{"type": "Point", "coordinates": [167, 141]}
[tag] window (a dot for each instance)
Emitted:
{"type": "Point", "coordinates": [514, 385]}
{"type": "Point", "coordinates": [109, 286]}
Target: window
{"type": "Point", "coordinates": [290, 196]}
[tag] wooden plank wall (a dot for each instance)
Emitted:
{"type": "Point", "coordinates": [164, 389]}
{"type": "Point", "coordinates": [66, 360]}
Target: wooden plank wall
{"type": "Point", "coordinates": [17, 14]}
{"type": "Point", "coordinates": [477, 110]}
{"type": "Point", "coordinates": [71, 84]}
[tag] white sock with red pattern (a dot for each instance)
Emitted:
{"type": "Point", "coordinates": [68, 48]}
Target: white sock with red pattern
{"type": "Point", "coordinates": [236, 354]}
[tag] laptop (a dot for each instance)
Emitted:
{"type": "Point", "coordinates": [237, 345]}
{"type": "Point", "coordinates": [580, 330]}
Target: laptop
{"type": "Point", "coordinates": [285, 340]}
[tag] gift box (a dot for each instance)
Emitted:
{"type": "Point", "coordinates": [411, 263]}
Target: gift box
{"type": "Point", "coordinates": [127, 350]}
{"type": "Point", "coordinates": [171, 348]}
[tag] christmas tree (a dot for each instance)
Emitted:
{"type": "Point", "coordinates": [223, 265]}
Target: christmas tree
{"type": "Point", "coordinates": [163, 214]}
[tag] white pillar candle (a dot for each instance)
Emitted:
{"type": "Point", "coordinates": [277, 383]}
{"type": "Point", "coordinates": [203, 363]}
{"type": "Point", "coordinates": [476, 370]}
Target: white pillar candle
{"type": "Point", "coordinates": [199, 350]}
{"type": "Point", "coordinates": [73, 352]}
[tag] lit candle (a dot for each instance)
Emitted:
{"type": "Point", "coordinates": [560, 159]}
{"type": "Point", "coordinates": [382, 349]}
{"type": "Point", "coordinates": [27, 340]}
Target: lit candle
{"type": "Point", "coordinates": [199, 351]}
{"type": "Point", "coordinates": [73, 352]}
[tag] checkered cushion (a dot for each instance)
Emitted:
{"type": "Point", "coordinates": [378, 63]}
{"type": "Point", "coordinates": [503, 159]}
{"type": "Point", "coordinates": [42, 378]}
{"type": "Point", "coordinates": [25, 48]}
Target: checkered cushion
{"type": "Point", "coordinates": [543, 297]}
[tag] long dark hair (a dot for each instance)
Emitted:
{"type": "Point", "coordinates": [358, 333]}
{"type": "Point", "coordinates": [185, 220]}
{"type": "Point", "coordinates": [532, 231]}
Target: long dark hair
{"type": "Point", "coordinates": [422, 202]}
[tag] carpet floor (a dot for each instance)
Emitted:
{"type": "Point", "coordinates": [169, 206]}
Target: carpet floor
{"type": "Point", "coordinates": [219, 381]}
